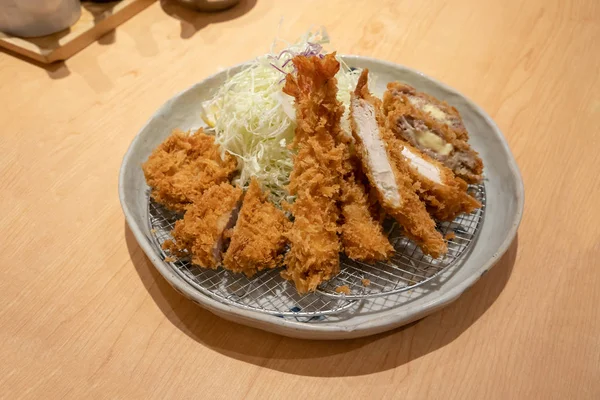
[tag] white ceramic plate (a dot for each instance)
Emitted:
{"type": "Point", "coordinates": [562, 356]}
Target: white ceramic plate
{"type": "Point", "coordinates": [504, 208]}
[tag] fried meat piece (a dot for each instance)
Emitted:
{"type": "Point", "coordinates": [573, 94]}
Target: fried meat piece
{"type": "Point", "coordinates": [200, 233]}
{"type": "Point", "coordinates": [258, 238]}
{"type": "Point", "coordinates": [388, 172]}
{"type": "Point", "coordinates": [184, 166]}
{"type": "Point", "coordinates": [362, 233]}
{"type": "Point", "coordinates": [445, 195]}
{"type": "Point", "coordinates": [433, 127]}
{"type": "Point", "coordinates": [315, 180]}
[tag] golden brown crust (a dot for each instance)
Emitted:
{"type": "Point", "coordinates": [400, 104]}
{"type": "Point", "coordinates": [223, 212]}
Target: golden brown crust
{"type": "Point", "coordinates": [184, 166]}
{"type": "Point", "coordinates": [315, 180]}
{"type": "Point", "coordinates": [258, 238]}
{"type": "Point", "coordinates": [343, 289]}
{"type": "Point", "coordinates": [361, 229]}
{"type": "Point", "coordinates": [199, 233]}
{"type": "Point", "coordinates": [453, 119]}
{"type": "Point", "coordinates": [411, 214]}
{"type": "Point", "coordinates": [362, 233]}
{"type": "Point", "coordinates": [397, 105]}
{"type": "Point", "coordinates": [444, 202]}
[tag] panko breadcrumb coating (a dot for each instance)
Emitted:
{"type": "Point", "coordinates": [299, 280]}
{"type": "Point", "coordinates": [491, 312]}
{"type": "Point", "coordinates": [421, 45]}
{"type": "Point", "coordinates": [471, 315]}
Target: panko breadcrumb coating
{"type": "Point", "coordinates": [315, 180]}
{"type": "Point", "coordinates": [362, 233]}
{"type": "Point", "coordinates": [343, 290]}
{"type": "Point", "coordinates": [200, 233]}
{"type": "Point", "coordinates": [184, 166]}
{"type": "Point", "coordinates": [258, 238]}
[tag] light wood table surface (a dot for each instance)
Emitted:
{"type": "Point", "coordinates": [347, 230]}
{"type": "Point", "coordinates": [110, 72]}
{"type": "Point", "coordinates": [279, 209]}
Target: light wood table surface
{"type": "Point", "coordinates": [83, 313]}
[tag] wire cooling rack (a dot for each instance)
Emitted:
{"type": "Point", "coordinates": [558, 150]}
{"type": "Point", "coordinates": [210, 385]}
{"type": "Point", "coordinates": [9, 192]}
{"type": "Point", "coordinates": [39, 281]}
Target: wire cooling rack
{"type": "Point", "coordinates": [408, 267]}
{"type": "Point", "coordinates": [268, 293]}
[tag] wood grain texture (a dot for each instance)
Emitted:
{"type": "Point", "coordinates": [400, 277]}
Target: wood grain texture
{"type": "Point", "coordinates": [85, 315]}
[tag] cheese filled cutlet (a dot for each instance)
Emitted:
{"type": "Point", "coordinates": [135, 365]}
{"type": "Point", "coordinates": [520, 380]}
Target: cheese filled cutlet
{"type": "Point", "coordinates": [258, 238]}
{"type": "Point", "coordinates": [184, 166]}
{"type": "Point", "coordinates": [388, 172]}
{"type": "Point", "coordinates": [434, 127]}
{"type": "Point", "coordinates": [315, 179]}
{"type": "Point", "coordinates": [199, 234]}
{"type": "Point", "coordinates": [446, 195]}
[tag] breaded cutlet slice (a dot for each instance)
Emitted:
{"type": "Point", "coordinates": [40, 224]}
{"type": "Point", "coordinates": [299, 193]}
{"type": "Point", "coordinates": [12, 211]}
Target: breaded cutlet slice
{"type": "Point", "coordinates": [433, 127]}
{"type": "Point", "coordinates": [199, 234]}
{"type": "Point", "coordinates": [439, 110]}
{"type": "Point", "coordinates": [315, 180]}
{"type": "Point", "coordinates": [361, 227]}
{"type": "Point", "coordinates": [445, 195]}
{"type": "Point", "coordinates": [388, 171]}
{"type": "Point", "coordinates": [258, 238]}
{"type": "Point", "coordinates": [184, 166]}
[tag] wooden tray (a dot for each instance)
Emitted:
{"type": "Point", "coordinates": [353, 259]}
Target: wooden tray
{"type": "Point", "coordinates": [96, 20]}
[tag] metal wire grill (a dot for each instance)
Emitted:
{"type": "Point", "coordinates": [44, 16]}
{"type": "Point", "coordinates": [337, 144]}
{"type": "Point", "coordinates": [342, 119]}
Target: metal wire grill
{"type": "Point", "coordinates": [408, 267]}
{"type": "Point", "coordinates": [268, 293]}
{"type": "Point", "coordinates": [265, 292]}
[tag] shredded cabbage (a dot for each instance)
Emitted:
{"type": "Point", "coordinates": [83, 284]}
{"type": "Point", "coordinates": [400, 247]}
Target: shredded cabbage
{"type": "Point", "coordinates": [255, 121]}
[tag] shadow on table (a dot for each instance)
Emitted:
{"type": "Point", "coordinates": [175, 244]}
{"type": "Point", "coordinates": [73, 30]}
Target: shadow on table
{"type": "Point", "coordinates": [192, 21]}
{"type": "Point", "coordinates": [55, 70]}
{"type": "Point", "coordinates": [101, 11]}
{"type": "Point", "coordinates": [377, 353]}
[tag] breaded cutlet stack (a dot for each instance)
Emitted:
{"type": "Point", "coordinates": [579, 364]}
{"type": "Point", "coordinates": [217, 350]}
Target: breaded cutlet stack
{"type": "Point", "coordinates": [389, 172]}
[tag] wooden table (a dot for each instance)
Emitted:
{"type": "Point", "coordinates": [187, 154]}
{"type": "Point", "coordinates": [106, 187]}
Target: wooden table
{"type": "Point", "coordinates": [84, 314]}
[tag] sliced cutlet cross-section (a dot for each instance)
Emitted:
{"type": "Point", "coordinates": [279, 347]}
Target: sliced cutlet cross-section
{"type": "Point", "coordinates": [315, 180]}
{"type": "Point", "coordinates": [362, 233]}
{"type": "Point", "coordinates": [184, 166]}
{"type": "Point", "coordinates": [445, 195]}
{"type": "Point", "coordinates": [438, 110]}
{"type": "Point", "coordinates": [199, 234]}
{"type": "Point", "coordinates": [361, 230]}
{"type": "Point", "coordinates": [385, 166]}
{"type": "Point", "coordinates": [258, 238]}
{"type": "Point", "coordinates": [433, 127]}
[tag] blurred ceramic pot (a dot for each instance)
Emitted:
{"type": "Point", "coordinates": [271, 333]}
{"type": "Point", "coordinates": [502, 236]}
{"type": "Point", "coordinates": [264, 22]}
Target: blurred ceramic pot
{"type": "Point", "coordinates": [28, 18]}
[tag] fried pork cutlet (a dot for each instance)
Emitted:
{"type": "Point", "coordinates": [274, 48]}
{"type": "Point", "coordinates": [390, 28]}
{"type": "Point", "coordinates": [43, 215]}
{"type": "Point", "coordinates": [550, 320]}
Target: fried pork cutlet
{"type": "Point", "coordinates": [388, 171]}
{"type": "Point", "coordinates": [200, 233]}
{"type": "Point", "coordinates": [433, 127]}
{"type": "Point", "coordinates": [315, 180]}
{"type": "Point", "coordinates": [445, 195]}
{"type": "Point", "coordinates": [362, 233]}
{"type": "Point", "coordinates": [360, 227]}
{"type": "Point", "coordinates": [184, 166]}
{"type": "Point", "coordinates": [258, 239]}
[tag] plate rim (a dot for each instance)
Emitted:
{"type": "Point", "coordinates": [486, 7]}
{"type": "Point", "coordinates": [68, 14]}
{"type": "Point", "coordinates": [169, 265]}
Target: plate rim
{"type": "Point", "coordinates": [329, 331]}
